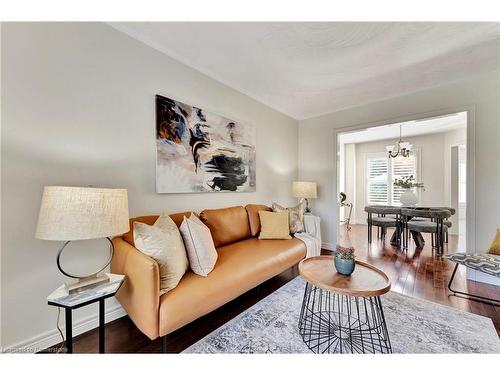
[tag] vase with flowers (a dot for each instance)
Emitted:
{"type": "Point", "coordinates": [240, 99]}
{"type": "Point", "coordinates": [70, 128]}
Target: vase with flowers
{"type": "Point", "coordinates": [408, 184]}
{"type": "Point", "coordinates": [344, 260]}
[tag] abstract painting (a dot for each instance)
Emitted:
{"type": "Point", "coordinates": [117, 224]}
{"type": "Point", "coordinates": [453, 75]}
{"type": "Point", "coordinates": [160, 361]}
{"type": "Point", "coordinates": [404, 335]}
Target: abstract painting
{"type": "Point", "coordinates": [199, 151]}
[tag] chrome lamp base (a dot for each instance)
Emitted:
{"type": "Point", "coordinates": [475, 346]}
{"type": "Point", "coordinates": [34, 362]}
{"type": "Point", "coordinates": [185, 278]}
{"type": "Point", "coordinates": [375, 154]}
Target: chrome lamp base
{"type": "Point", "coordinates": [86, 283]}
{"type": "Point", "coordinates": [307, 210]}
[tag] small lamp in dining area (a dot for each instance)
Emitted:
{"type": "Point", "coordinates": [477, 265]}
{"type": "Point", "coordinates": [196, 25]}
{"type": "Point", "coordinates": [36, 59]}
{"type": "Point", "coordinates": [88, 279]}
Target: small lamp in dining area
{"type": "Point", "coordinates": [82, 213]}
{"type": "Point", "coordinates": [305, 190]}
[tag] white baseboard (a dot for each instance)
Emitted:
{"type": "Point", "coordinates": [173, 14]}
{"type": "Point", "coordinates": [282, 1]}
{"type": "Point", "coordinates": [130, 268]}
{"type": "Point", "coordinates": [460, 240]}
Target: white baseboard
{"type": "Point", "coordinates": [52, 337]}
{"type": "Point", "coordinates": [356, 222]}
{"type": "Point", "coordinates": [482, 277]}
{"type": "Point", "coordinates": [328, 246]}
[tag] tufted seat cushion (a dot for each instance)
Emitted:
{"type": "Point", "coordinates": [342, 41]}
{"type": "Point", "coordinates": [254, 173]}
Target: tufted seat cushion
{"type": "Point", "coordinates": [487, 263]}
{"type": "Point", "coordinates": [445, 222]}
{"type": "Point", "coordinates": [383, 210]}
{"type": "Point", "coordinates": [425, 226]}
{"type": "Point", "coordinates": [384, 221]}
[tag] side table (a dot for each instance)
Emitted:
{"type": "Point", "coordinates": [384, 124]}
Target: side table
{"type": "Point", "coordinates": [61, 298]}
{"type": "Point", "coordinates": [343, 314]}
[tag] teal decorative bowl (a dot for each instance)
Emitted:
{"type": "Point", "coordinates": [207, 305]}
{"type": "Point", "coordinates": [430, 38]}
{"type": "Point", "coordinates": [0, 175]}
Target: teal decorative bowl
{"type": "Point", "coordinates": [344, 266]}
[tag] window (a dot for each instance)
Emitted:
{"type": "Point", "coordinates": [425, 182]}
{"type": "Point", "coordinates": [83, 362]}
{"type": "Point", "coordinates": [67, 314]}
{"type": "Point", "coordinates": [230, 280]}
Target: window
{"type": "Point", "coordinates": [377, 183]}
{"type": "Point", "coordinates": [401, 167]}
{"type": "Point", "coordinates": [381, 172]}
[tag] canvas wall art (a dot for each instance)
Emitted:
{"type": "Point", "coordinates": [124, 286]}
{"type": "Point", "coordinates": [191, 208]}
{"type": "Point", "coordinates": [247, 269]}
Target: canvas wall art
{"type": "Point", "coordinates": [199, 151]}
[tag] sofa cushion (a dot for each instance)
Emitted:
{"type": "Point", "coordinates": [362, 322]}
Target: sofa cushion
{"type": "Point", "coordinates": [150, 220]}
{"type": "Point", "coordinates": [296, 216]}
{"type": "Point", "coordinates": [199, 245]}
{"type": "Point", "coordinates": [241, 266]}
{"type": "Point", "coordinates": [253, 217]}
{"type": "Point", "coordinates": [163, 242]}
{"type": "Point", "coordinates": [227, 225]}
{"type": "Point", "coordinates": [274, 226]}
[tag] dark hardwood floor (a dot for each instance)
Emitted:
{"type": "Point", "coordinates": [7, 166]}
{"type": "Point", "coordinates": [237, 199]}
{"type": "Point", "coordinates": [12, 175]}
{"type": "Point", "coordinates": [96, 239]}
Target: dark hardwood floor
{"type": "Point", "coordinates": [417, 272]}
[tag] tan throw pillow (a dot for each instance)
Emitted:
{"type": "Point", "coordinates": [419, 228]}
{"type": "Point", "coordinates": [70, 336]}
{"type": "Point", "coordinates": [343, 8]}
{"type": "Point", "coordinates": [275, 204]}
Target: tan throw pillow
{"type": "Point", "coordinates": [163, 242]}
{"type": "Point", "coordinates": [296, 219]}
{"type": "Point", "coordinates": [495, 245]}
{"type": "Point", "coordinates": [199, 245]}
{"type": "Point", "coordinates": [274, 226]}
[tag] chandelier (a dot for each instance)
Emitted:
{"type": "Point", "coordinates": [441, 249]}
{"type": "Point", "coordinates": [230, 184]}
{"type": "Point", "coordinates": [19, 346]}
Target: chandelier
{"type": "Point", "coordinates": [401, 148]}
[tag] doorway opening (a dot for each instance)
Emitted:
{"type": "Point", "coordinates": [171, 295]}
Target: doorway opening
{"type": "Point", "coordinates": [430, 152]}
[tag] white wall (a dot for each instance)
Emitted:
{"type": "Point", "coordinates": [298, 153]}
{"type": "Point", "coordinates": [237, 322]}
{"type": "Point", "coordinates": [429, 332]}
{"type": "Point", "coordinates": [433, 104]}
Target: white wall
{"type": "Point", "coordinates": [1, 299]}
{"type": "Point", "coordinates": [453, 138]}
{"type": "Point", "coordinates": [78, 109]}
{"type": "Point", "coordinates": [350, 178]}
{"type": "Point", "coordinates": [317, 145]}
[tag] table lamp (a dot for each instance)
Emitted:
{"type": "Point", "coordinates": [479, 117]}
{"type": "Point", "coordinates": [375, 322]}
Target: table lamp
{"type": "Point", "coordinates": [82, 213]}
{"type": "Point", "coordinates": [305, 190]}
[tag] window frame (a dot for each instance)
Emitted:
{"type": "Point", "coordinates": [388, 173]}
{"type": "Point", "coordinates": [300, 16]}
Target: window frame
{"type": "Point", "coordinates": [390, 191]}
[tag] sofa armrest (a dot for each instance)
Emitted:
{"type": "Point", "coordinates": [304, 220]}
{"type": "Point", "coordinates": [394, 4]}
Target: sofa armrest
{"type": "Point", "coordinates": [140, 293]}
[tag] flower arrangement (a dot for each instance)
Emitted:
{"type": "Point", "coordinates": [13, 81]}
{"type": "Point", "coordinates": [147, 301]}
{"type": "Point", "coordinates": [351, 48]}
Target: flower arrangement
{"type": "Point", "coordinates": [346, 253]}
{"type": "Point", "coordinates": [408, 182]}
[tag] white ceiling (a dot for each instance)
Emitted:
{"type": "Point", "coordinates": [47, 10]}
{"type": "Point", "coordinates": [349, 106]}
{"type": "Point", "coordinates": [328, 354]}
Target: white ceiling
{"type": "Point", "coordinates": [308, 69]}
{"type": "Point", "coordinates": [440, 124]}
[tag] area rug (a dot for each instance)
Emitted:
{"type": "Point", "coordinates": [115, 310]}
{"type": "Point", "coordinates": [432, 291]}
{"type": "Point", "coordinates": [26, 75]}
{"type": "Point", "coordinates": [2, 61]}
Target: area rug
{"type": "Point", "coordinates": [414, 325]}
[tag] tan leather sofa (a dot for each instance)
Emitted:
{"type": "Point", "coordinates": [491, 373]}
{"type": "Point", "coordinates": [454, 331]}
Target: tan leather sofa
{"type": "Point", "coordinates": [244, 262]}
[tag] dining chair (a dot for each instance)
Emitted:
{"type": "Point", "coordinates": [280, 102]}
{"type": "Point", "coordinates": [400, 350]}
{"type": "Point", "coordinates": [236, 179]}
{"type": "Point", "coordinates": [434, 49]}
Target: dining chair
{"type": "Point", "coordinates": [435, 226]}
{"type": "Point", "coordinates": [446, 222]}
{"type": "Point", "coordinates": [382, 221]}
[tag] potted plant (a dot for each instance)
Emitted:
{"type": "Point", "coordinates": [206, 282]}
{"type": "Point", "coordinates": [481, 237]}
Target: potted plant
{"type": "Point", "coordinates": [408, 184]}
{"type": "Point", "coordinates": [344, 260]}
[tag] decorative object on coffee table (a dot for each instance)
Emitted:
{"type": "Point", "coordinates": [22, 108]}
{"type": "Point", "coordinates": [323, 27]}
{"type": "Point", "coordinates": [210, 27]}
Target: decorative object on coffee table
{"type": "Point", "coordinates": [342, 314]}
{"type": "Point", "coordinates": [344, 260]}
{"type": "Point", "coordinates": [96, 293]}
{"type": "Point", "coordinates": [305, 190]}
{"type": "Point", "coordinates": [82, 213]}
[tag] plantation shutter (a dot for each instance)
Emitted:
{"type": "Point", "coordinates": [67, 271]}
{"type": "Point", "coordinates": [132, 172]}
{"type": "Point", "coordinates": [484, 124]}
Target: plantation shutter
{"type": "Point", "coordinates": [402, 167]}
{"type": "Point", "coordinates": [377, 181]}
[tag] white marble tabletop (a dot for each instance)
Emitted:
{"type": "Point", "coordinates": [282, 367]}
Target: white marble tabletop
{"type": "Point", "coordinates": [61, 296]}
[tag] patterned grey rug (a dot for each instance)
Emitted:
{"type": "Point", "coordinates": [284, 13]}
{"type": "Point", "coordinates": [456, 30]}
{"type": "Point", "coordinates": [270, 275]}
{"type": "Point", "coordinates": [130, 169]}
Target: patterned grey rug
{"type": "Point", "coordinates": [415, 326]}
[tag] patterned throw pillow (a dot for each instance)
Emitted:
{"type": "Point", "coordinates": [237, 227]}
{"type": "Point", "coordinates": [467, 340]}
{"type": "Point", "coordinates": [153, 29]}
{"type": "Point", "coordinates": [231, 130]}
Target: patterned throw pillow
{"type": "Point", "coordinates": [296, 216]}
{"type": "Point", "coordinates": [163, 242]}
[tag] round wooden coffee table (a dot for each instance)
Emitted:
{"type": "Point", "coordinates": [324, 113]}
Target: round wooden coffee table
{"type": "Point", "coordinates": [343, 314]}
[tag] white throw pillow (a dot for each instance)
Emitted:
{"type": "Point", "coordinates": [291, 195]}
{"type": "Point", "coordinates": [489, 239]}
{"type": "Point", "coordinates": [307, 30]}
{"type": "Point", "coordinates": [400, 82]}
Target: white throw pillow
{"type": "Point", "coordinates": [199, 245]}
{"type": "Point", "coordinates": [162, 241]}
